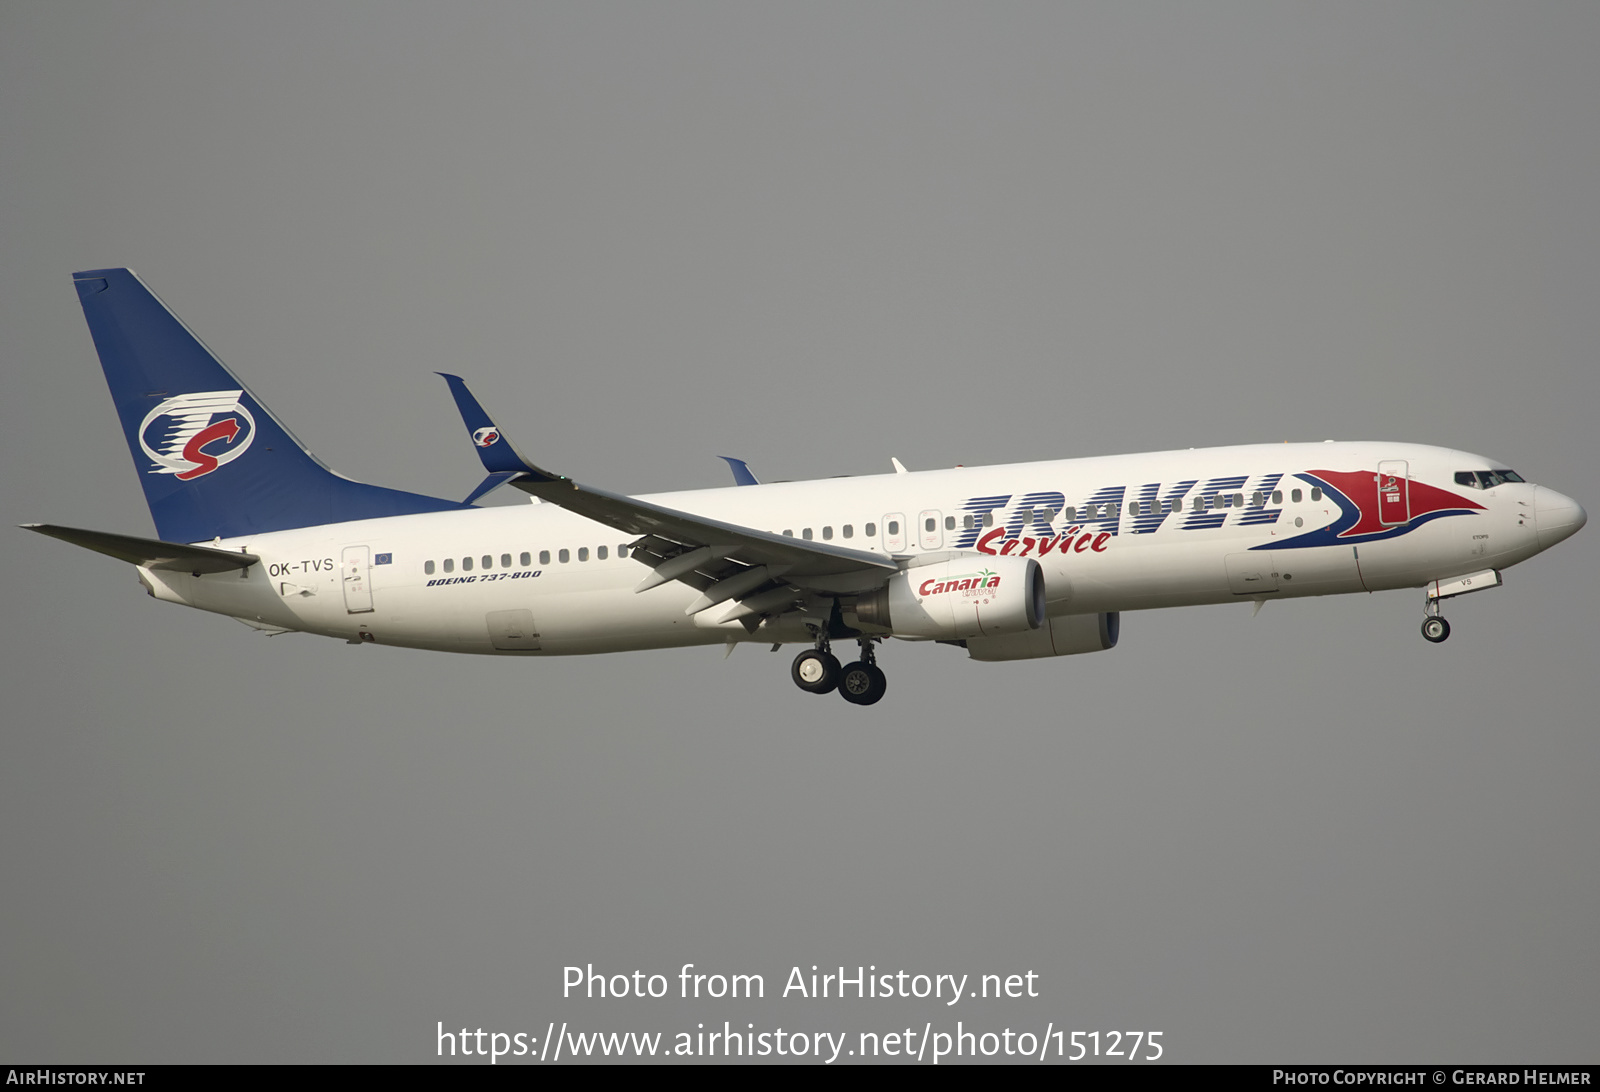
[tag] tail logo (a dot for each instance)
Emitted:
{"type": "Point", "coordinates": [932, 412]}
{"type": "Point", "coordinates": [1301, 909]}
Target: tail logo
{"type": "Point", "coordinates": [193, 434]}
{"type": "Point", "coordinates": [486, 437]}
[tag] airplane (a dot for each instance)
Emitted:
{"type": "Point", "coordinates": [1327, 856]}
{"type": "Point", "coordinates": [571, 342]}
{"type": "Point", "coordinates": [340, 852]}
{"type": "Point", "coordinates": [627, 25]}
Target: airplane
{"type": "Point", "coordinates": [1014, 562]}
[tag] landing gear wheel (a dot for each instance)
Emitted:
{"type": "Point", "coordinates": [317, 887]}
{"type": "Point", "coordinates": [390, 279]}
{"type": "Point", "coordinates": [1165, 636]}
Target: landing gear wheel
{"type": "Point", "coordinates": [815, 671]}
{"type": "Point", "coordinates": [1435, 629]}
{"type": "Point", "coordinates": [862, 683]}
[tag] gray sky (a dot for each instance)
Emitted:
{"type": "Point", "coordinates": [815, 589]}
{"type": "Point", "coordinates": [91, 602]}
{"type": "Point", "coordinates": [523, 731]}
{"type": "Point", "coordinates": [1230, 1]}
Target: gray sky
{"type": "Point", "coordinates": [814, 236]}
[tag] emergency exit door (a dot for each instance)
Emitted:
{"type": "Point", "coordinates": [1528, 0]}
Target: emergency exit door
{"type": "Point", "coordinates": [894, 533]}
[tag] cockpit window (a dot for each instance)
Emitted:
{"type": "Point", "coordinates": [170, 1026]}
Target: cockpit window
{"type": "Point", "coordinates": [1486, 479]}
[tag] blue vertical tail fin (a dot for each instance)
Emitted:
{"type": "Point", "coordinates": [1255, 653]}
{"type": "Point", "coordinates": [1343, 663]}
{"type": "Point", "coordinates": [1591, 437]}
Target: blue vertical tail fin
{"type": "Point", "coordinates": [214, 461]}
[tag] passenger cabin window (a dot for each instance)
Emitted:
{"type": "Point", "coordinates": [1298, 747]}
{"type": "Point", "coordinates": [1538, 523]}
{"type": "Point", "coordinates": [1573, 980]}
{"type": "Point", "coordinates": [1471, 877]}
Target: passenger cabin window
{"type": "Point", "coordinates": [827, 534]}
{"type": "Point", "coordinates": [1258, 499]}
{"type": "Point", "coordinates": [505, 561]}
{"type": "Point", "coordinates": [466, 564]}
{"type": "Point", "coordinates": [1238, 500]}
{"type": "Point", "coordinates": [526, 559]}
{"type": "Point", "coordinates": [870, 529]}
{"type": "Point", "coordinates": [544, 557]}
{"type": "Point", "coordinates": [427, 568]}
{"type": "Point", "coordinates": [966, 523]}
{"type": "Point", "coordinates": [894, 527]}
{"type": "Point", "coordinates": [930, 524]}
{"type": "Point", "coordinates": [949, 523]}
{"type": "Point", "coordinates": [849, 531]}
{"type": "Point", "coordinates": [600, 554]}
{"type": "Point", "coordinates": [788, 532]}
{"type": "Point", "coordinates": [1316, 492]}
{"type": "Point", "coordinates": [1277, 496]}
{"type": "Point", "coordinates": [806, 533]}
{"type": "Point", "coordinates": [1295, 496]}
{"type": "Point", "coordinates": [488, 561]}
{"type": "Point", "coordinates": [583, 553]}
{"type": "Point", "coordinates": [1133, 508]}
{"type": "Point", "coordinates": [564, 556]}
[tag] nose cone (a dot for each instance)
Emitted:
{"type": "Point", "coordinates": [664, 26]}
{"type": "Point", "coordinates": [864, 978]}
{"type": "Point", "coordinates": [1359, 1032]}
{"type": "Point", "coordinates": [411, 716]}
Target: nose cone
{"type": "Point", "coordinates": [1557, 517]}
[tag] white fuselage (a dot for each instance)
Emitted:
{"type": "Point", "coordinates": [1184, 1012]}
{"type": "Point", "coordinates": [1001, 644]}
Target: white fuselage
{"type": "Point", "coordinates": [1103, 529]}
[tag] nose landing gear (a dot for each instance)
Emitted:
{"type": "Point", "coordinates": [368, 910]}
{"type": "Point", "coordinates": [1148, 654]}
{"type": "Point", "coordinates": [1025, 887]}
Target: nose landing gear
{"type": "Point", "coordinates": [1434, 628]}
{"type": "Point", "coordinates": [1435, 592]}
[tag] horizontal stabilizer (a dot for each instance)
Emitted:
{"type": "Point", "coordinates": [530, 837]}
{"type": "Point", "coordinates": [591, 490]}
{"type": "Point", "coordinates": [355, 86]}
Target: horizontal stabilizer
{"type": "Point", "coordinates": [149, 552]}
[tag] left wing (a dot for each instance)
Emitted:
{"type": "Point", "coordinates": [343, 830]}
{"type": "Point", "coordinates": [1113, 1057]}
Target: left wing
{"type": "Point", "coordinates": [762, 573]}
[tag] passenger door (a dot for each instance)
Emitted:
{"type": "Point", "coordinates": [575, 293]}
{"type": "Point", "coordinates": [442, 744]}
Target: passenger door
{"type": "Point", "coordinates": [356, 577]}
{"type": "Point", "coordinates": [1394, 493]}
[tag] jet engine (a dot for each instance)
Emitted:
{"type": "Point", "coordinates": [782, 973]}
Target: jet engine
{"type": "Point", "coordinates": [1064, 636]}
{"type": "Point", "coordinates": [966, 597]}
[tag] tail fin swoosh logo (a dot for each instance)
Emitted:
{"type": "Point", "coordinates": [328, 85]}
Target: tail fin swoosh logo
{"type": "Point", "coordinates": [486, 437]}
{"type": "Point", "coordinates": [193, 434]}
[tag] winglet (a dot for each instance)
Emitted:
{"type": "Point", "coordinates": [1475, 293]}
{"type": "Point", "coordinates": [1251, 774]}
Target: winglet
{"type": "Point", "coordinates": [899, 468]}
{"type": "Point", "coordinates": [741, 471]}
{"type": "Point", "coordinates": [496, 452]}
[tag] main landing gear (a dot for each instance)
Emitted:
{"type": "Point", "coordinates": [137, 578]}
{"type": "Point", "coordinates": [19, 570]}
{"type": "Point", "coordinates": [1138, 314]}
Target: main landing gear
{"type": "Point", "coordinates": [817, 671]}
{"type": "Point", "coordinates": [1434, 628]}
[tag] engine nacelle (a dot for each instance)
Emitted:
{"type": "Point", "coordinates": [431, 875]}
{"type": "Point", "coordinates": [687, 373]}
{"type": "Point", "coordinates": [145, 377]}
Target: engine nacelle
{"type": "Point", "coordinates": [1064, 636]}
{"type": "Point", "coordinates": [967, 597]}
